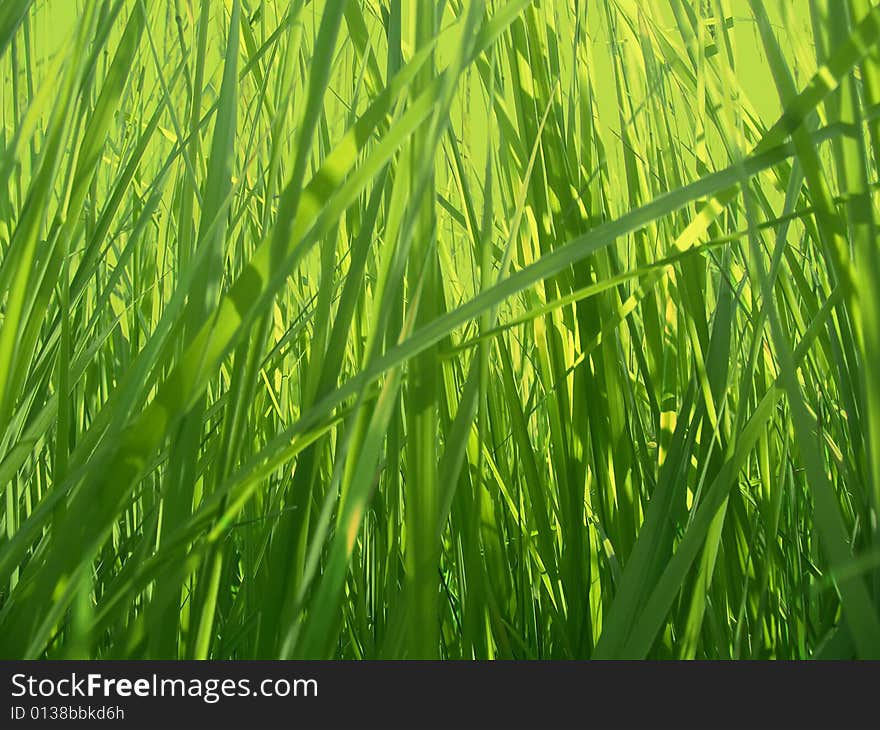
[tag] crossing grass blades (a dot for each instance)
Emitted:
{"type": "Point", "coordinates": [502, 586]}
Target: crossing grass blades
{"type": "Point", "coordinates": [500, 329]}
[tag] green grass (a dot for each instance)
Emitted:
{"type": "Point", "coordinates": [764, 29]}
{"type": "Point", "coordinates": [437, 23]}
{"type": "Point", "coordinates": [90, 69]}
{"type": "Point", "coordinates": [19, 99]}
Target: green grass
{"type": "Point", "coordinates": [504, 329]}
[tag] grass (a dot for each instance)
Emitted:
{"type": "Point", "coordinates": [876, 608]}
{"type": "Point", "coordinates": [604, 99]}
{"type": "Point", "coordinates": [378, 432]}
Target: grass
{"type": "Point", "coordinates": [504, 329]}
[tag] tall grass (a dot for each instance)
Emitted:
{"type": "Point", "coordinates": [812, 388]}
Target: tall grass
{"type": "Point", "coordinates": [466, 329]}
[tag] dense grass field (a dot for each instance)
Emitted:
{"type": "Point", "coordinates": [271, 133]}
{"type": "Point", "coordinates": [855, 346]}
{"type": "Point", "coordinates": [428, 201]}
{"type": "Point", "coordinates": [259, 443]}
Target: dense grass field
{"type": "Point", "coordinates": [451, 328]}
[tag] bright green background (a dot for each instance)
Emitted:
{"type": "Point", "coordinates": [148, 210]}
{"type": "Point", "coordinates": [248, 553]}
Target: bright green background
{"type": "Point", "coordinates": [373, 328]}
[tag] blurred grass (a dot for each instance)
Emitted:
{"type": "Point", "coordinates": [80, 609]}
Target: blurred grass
{"type": "Point", "coordinates": [512, 329]}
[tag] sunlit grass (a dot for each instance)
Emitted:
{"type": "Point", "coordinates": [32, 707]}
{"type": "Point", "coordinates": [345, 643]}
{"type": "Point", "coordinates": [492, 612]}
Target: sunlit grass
{"type": "Point", "coordinates": [507, 329]}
